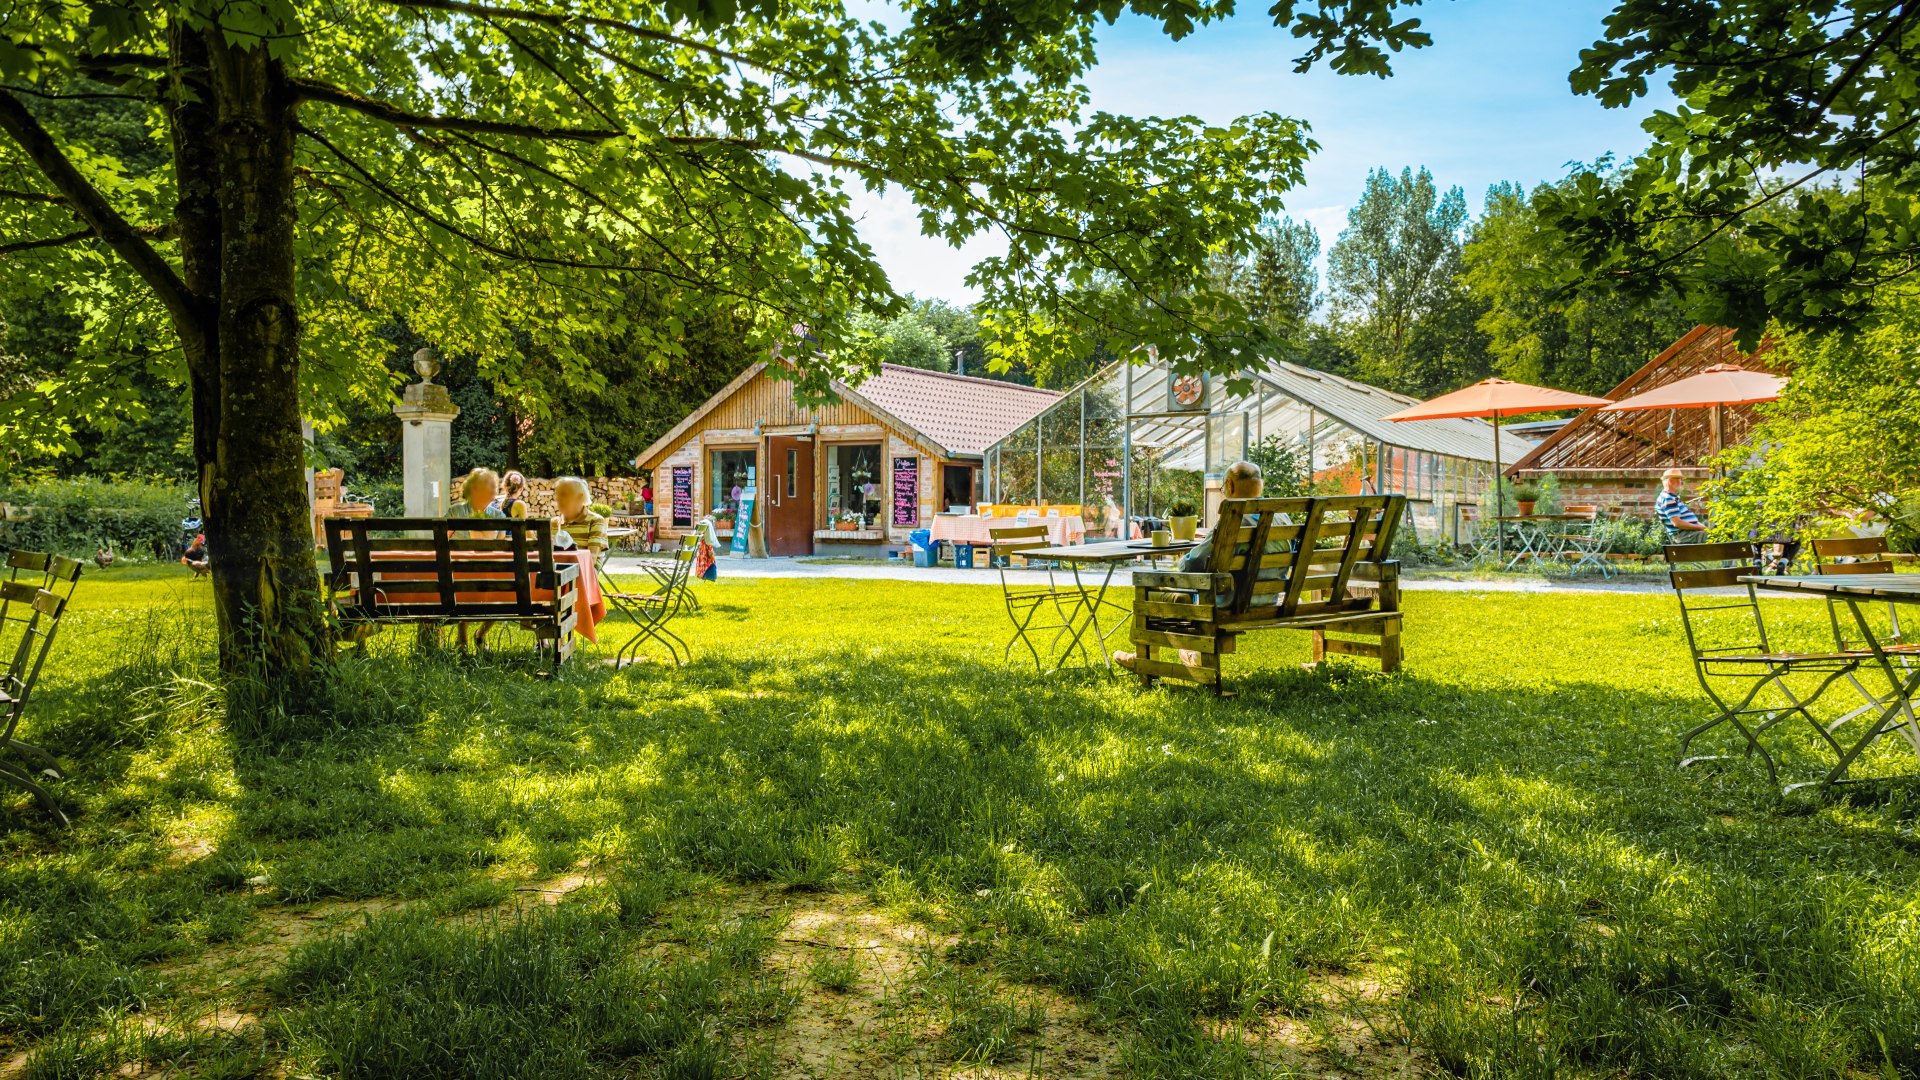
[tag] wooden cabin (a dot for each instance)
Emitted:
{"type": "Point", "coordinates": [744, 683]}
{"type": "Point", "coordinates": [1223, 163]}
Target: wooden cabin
{"type": "Point", "coordinates": [846, 478]}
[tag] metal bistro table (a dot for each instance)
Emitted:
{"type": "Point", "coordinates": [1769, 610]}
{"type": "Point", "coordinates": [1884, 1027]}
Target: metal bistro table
{"type": "Point", "coordinates": [1855, 590]}
{"type": "Point", "coordinates": [1086, 614]}
{"type": "Point", "coordinates": [1536, 535]}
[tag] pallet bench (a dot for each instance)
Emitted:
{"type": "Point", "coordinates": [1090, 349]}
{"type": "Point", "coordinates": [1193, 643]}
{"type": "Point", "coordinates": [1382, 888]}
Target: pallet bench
{"type": "Point", "coordinates": [1316, 564]}
{"type": "Point", "coordinates": [432, 571]}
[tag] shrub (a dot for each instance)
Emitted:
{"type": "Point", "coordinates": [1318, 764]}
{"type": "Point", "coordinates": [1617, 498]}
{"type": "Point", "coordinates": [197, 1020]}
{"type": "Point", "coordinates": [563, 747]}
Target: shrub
{"type": "Point", "coordinates": [1285, 472]}
{"type": "Point", "coordinates": [76, 517]}
{"type": "Point", "coordinates": [1626, 536]}
{"type": "Point", "coordinates": [1546, 493]}
{"type": "Point", "coordinates": [387, 497]}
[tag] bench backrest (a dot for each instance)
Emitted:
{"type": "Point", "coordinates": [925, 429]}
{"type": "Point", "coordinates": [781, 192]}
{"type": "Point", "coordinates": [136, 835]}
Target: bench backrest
{"type": "Point", "coordinates": [413, 574]}
{"type": "Point", "coordinates": [1852, 547]}
{"type": "Point", "coordinates": [1316, 542]}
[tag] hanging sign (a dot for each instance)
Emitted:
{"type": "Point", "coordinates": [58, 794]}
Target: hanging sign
{"type": "Point", "coordinates": [743, 522]}
{"type": "Point", "coordinates": [906, 491]}
{"type": "Point", "coordinates": [682, 496]}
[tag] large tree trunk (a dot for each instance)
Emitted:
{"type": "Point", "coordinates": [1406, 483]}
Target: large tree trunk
{"type": "Point", "coordinates": [234, 151]}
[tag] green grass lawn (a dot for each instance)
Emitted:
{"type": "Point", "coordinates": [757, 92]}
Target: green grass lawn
{"type": "Point", "coordinates": [850, 841]}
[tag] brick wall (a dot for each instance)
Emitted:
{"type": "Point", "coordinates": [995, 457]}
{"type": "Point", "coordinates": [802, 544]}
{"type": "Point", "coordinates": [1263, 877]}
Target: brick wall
{"type": "Point", "coordinates": [1623, 496]}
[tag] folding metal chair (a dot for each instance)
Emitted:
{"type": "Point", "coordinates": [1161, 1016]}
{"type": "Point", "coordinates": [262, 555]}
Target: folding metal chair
{"type": "Point", "coordinates": [1583, 538]}
{"type": "Point", "coordinates": [1723, 653]}
{"type": "Point", "coordinates": [652, 611]}
{"type": "Point", "coordinates": [664, 570]}
{"type": "Point", "coordinates": [1026, 604]}
{"type": "Point", "coordinates": [1475, 536]}
{"type": "Point", "coordinates": [29, 619]}
{"type": "Point", "coordinates": [1866, 555]}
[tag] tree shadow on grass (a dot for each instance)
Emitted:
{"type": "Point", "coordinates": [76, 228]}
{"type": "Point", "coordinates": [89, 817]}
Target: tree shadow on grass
{"type": "Point", "coordinates": [1523, 865]}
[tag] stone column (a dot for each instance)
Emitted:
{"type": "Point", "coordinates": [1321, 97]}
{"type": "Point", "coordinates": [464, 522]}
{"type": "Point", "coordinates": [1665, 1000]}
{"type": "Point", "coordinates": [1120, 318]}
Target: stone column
{"type": "Point", "coordinates": [426, 415]}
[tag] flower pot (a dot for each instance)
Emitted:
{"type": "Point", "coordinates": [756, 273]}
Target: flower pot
{"type": "Point", "coordinates": [846, 526]}
{"type": "Point", "coordinates": [1526, 507]}
{"type": "Point", "coordinates": [1182, 527]}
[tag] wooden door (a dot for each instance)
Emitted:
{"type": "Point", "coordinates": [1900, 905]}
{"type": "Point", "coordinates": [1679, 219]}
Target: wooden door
{"type": "Point", "coordinates": [787, 494]}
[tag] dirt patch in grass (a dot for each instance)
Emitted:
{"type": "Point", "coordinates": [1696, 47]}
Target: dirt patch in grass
{"type": "Point", "coordinates": [1350, 1029]}
{"type": "Point", "coordinates": [868, 1005]}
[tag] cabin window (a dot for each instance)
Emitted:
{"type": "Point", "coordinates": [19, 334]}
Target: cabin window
{"type": "Point", "coordinates": [853, 482]}
{"type": "Point", "coordinates": [730, 473]}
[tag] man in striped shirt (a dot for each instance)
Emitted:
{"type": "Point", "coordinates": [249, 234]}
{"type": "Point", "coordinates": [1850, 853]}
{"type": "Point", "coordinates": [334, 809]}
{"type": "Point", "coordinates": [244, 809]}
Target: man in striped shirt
{"type": "Point", "coordinates": [1682, 524]}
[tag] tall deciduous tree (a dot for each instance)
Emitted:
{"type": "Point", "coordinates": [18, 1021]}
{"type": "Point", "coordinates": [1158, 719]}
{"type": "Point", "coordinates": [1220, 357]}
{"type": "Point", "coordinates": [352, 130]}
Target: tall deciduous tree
{"type": "Point", "coordinates": [1584, 335]}
{"type": "Point", "coordinates": [483, 165]}
{"type": "Point", "coordinates": [1277, 282]}
{"type": "Point", "coordinates": [1392, 262]}
{"type": "Point", "coordinates": [1776, 97]}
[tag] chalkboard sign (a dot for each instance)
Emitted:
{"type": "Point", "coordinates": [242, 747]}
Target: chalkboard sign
{"type": "Point", "coordinates": [682, 496]}
{"type": "Point", "coordinates": [906, 491]}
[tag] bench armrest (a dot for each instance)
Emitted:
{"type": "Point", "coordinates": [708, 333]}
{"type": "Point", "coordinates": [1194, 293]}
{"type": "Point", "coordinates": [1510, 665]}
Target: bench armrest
{"type": "Point", "coordinates": [1384, 570]}
{"type": "Point", "coordinates": [1194, 581]}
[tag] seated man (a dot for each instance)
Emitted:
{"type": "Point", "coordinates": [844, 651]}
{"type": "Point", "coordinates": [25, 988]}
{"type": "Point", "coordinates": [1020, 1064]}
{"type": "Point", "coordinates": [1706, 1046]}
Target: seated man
{"type": "Point", "coordinates": [1682, 524]}
{"type": "Point", "coordinates": [1242, 482]}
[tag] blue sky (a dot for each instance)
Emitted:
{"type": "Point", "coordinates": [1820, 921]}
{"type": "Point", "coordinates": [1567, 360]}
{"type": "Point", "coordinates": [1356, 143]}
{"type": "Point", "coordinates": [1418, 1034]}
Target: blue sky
{"type": "Point", "coordinates": [1487, 102]}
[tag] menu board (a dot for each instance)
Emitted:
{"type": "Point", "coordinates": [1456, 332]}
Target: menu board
{"type": "Point", "coordinates": [682, 496]}
{"type": "Point", "coordinates": [906, 491]}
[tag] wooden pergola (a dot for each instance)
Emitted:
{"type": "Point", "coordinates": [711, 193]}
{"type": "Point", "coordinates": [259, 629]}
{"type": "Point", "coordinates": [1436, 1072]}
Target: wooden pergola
{"type": "Point", "coordinates": [1636, 444]}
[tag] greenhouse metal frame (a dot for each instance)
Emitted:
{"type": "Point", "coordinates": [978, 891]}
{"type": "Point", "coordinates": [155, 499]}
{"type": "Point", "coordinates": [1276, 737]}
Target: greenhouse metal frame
{"type": "Point", "coordinates": [1127, 441]}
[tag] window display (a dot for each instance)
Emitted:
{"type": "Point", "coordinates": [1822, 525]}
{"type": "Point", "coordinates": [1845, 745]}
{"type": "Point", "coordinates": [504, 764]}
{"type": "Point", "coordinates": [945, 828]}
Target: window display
{"type": "Point", "coordinates": [853, 483]}
{"type": "Point", "coordinates": [729, 472]}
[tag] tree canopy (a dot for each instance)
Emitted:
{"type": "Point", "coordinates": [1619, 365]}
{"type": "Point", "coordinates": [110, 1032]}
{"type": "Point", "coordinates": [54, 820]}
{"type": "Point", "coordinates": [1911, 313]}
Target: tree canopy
{"type": "Point", "coordinates": [1797, 133]}
{"type": "Point", "coordinates": [1392, 262]}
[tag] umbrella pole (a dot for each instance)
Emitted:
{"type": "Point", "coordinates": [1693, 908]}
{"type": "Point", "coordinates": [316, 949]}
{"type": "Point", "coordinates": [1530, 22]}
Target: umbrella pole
{"type": "Point", "coordinates": [1499, 496]}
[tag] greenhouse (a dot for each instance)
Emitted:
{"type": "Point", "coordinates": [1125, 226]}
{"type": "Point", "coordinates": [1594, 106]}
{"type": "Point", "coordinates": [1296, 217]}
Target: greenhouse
{"type": "Point", "coordinates": [1137, 437]}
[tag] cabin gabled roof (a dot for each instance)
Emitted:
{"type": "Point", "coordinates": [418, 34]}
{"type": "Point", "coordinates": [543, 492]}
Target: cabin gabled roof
{"type": "Point", "coordinates": [958, 415]}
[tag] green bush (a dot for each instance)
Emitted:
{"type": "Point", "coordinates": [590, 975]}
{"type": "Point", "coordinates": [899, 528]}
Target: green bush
{"type": "Point", "coordinates": [77, 517]}
{"type": "Point", "coordinates": [387, 497]}
{"type": "Point", "coordinates": [1627, 536]}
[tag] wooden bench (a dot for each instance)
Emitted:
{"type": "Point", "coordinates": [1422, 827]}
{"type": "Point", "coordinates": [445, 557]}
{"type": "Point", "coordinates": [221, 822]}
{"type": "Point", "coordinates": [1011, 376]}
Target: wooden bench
{"type": "Point", "coordinates": [1278, 564]}
{"type": "Point", "coordinates": [429, 572]}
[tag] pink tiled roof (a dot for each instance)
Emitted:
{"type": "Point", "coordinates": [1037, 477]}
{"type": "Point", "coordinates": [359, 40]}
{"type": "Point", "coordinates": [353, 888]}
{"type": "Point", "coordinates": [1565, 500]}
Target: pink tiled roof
{"type": "Point", "coordinates": [961, 413]}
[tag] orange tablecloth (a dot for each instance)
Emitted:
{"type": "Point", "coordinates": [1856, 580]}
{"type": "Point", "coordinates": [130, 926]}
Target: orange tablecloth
{"type": "Point", "coordinates": [974, 529]}
{"type": "Point", "coordinates": [589, 609]}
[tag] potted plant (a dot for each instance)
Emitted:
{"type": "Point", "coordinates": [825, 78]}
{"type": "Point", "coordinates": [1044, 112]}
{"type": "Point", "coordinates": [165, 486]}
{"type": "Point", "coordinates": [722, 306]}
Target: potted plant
{"type": "Point", "coordinates": [847, 521]}
{"type": "Point", "coordinates": [723, 521]}
{"type": "Point", "coordinates": [1525, 495]}
{"type": "Point", "coordinates": [1181, 519]}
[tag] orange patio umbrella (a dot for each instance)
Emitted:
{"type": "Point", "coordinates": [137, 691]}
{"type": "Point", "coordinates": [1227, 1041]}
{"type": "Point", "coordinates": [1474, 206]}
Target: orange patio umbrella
{"type": "Point", "coordinates": [1495, 398]}
{"type": "Point", "coordinates": [1714, 388]}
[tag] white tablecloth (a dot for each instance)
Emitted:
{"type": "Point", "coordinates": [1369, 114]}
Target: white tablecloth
{"type": "Point", "coordinates": [974, 529]}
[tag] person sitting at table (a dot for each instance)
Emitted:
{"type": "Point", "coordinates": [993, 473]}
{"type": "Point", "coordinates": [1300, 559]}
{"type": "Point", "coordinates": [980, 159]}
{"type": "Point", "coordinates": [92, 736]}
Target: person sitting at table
{"type": "Point", "coordinates": [477, 491]}
{"type": "Point", "coordinates": [1243, 481]}
{"type": "Point", "coordinates": [512, 502]}
{"type": "Point", "coordinates": [1683, 526]}
{"type": "Point", "coordinates": [588, 529]}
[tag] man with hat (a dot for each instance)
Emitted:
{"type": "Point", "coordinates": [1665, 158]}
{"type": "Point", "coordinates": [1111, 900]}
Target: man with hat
{"type": "Point", "coordinates": [1682, 524]}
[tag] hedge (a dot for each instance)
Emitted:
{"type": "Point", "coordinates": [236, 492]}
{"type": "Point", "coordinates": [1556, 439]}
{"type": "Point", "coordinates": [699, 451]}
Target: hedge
{"type": "Point", "coordinates": [78, 517]}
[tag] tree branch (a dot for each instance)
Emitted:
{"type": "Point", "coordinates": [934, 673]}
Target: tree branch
{"type": "Point", "coordinates": [560, 21]}
{"type": "Point", "coordinates": [92, 207]}
{"type": "Point", "coordinates": [313, 90]}
{"type": "Point", "coordinates": [32, 196]}
{"type": "Point", "coordinates": [51, 241]}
